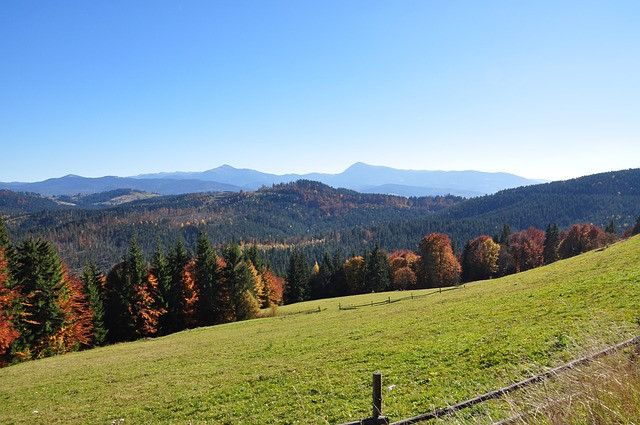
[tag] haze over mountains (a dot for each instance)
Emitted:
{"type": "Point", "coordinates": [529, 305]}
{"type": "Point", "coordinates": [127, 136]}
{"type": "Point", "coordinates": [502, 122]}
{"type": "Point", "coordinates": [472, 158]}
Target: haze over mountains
{"type": "Point", "coordinates": [359, 177]}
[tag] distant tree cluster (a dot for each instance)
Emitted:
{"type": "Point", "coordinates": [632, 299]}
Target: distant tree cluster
{"type": "Point", "coordinates": [434, 263]}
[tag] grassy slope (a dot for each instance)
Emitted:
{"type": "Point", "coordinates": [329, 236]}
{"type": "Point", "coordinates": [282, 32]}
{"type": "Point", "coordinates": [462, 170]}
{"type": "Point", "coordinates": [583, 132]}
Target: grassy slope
{"type": "Point", "coordinates": [315, 368]}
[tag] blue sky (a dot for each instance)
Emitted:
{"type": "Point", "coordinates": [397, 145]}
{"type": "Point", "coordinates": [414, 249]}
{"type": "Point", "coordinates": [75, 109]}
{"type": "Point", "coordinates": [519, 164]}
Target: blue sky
{"type": "Point", "coordinates": [543, 89]}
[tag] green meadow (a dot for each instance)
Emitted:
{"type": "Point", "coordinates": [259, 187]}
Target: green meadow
{"type": "Point", "coordinates": [316, 368]}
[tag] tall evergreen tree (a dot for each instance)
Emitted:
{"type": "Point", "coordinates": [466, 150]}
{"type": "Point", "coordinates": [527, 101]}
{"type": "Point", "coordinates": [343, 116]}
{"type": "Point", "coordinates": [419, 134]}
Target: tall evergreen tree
{"type": "Point", "coordinates": [37, 273]}
{"type": "Point", "coordinates": [320, 283]}
{"type": "Point", "coordinates": [159, 271]}
{"type": "Point", "coordinates": [135, 274]}
{"type": "Point", "coordinates": [208, 281]}
{"type": "Point", "coordinates": [551, 244]}
{"type": "Point", "coordinates": [241, 281]}
{"type": "Point", "coordinates": [178, 260]}
{"type": "Point", "coordinates": [611, 228]}
{"type": "Point", "coordinates": [297, 280]}
{"type": "Point", "coordinates": [505, 235]}
{"type": "Point", "coordinates": [377, 276]}
{"type": "Point", "coordinates": [94, 284]}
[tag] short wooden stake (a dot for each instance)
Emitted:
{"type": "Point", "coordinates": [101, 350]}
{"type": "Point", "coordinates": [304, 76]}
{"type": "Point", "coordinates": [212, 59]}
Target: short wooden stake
{"type": "Point", "coordinates": [377, 394]}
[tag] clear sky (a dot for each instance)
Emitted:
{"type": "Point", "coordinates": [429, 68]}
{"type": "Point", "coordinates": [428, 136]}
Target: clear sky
{"type": "Point", "coordinates": [542, 89]}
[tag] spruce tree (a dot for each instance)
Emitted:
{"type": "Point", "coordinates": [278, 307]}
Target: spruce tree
{"type": "Point", "coordinates": [173, 319]}
{"type": "Point", "coordinates": [297, 280]}
{"type": "Point", "coordinates": [136, 276]}
{"type": "Point", "coordinates": [240, 282]}
{"type": "Point", "coordinates": [93, 281]}
{"type": "Point", "coordinates": [611, 228]}
{"type": "Point", "coordinates": [208, 281]}
{"type": "Point", "coordinates": [36, 271]}
{"type": "Point", "coordinates": [377, 274]}
{"type": "Point", "coordinates": [160, 271]}
{"type": "Point", "coordinates": [505, 235]}
{"type": "Point", "coordinates": [551, 244]}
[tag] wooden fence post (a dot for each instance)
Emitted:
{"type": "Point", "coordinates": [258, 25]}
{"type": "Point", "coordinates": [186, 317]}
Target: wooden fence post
{"type": "Point", "coordinates": [377, 394]}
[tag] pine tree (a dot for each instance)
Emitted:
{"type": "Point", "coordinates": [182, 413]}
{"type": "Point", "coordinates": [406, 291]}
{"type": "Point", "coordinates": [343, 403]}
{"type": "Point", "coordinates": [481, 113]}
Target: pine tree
{"type": "Point", "coordinates": [141, 301]}
{"type": "Point", "coordinates": [208, 281]}
{"type": "Point", "coordinates": [94, 282]}
{"type": "Point", "coordinates": [551, 244]}
{"type": "Point", "coordinates": [159, 273]}
{"type": "Point", "coordinates": [505, 235]}
{"type": "Point", "coordinates": [377, 276]}
{"type": "Point", "coordinates": [611, 228]}
{"type": "Point", "coordinates": [37, 273]}
{"type": "Point", "coordinates": [178, 259]}
{"type": "Point", "coordinates": [297, 280]}
{"type": "Point", "coordinates": [240, 280]}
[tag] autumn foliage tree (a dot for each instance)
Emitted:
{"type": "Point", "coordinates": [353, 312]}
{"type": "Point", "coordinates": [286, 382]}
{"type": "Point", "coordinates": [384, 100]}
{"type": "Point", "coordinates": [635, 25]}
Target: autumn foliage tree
{"type": "Point", "coordinates": [480, 259]}
{"type": "Point", "coordinates": [581, 238]}
{"type": "Point", "coordinates": [354, 271]}
{"type": "Point", "coordinates": [8, 331]}
{"type": "Point", "coordinates": [527, 248]}
{"type": "Point", "coordinates": [77, 331]}
{"type": "Point", "coordinates": [402, 267]}
{"type": "Point", "coordinates": [438, 265]}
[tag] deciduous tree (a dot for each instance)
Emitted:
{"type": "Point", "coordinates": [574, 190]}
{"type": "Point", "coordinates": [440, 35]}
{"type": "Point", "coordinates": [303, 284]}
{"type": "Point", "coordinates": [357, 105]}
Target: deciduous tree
{"type": "Point", "coordinates": [438, 265]}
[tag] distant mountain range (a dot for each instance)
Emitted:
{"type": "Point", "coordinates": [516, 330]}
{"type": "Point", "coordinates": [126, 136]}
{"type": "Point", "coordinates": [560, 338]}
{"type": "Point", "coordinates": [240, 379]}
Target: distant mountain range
{"type": "Point", "coordinates": [359, 177]}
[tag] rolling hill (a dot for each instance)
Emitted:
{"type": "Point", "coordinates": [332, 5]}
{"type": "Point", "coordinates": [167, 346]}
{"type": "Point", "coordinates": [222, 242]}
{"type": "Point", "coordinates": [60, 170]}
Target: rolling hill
{"type": "Point", "coordinates": [285, 214]}
{"type": "Point", "coordinates": [316, 217]}
{"type": "Point", "coordinates": [316, 368]}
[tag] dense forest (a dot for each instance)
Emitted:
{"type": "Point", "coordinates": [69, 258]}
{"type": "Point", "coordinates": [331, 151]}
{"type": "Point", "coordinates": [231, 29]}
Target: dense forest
{"type": "Point", "coordinates": [313, 218]}
{"type": "Point", "coordinates": [45, 309]}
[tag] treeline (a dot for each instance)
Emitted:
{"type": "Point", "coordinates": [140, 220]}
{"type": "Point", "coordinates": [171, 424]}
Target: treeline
{"type": "Point", "coordinates": [46, 310]}
{"type": "Point", "coordinates": [434, 263]}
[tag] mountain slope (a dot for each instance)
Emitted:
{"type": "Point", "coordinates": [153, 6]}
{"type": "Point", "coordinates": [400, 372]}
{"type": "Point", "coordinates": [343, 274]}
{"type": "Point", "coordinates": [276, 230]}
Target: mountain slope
{"type": "Point", "coordinates": [316, 368]}
{"type": "Point", "coordinates": [72, 185]}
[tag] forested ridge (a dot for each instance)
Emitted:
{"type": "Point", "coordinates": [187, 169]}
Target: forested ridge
{"type": "Point", "coordinates": [316, 218]}
{"type": "Point", "coordinates": [289, 214]}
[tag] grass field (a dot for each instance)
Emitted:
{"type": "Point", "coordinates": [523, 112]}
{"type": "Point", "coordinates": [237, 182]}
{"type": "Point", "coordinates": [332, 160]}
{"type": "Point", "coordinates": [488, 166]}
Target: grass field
{"type": "Point", "coordinates": [316, 368]}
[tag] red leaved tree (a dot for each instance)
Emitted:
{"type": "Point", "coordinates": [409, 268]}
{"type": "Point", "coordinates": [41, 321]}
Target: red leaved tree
{"type": "Point", "coordinates": [581, 238]}
{"type": "Point", "coordinates": [77, 331]}
{"type": "Point", "coordinates": [527, 249]}
{"type": "Point", "coordinates": [8, 332]}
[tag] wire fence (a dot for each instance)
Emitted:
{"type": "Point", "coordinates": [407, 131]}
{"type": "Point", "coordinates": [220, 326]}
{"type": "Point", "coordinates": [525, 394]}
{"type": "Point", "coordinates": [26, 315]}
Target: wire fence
{"type": "Point", "coordinates": [389, 300]}
{"type": "Point", "coordinates": [377, 417]}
